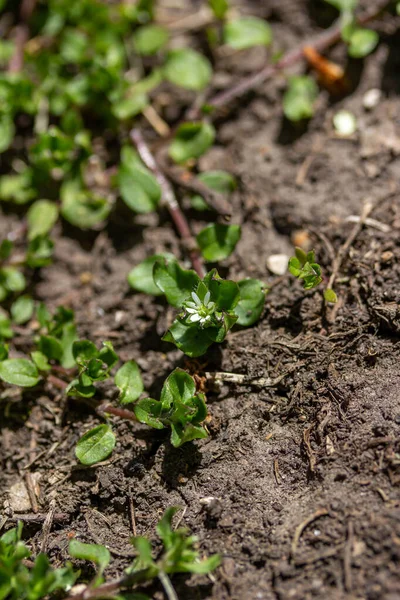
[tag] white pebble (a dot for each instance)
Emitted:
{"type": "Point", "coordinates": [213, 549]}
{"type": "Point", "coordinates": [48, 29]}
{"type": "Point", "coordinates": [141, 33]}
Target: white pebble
{"type": "Point", "coordinates": [278, 263]}
{"type": "Point", "coordinates": [371, 98]}
{"type": "Point", "coordinates": [344, 123]}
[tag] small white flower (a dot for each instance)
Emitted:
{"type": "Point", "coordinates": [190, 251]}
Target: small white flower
{"type": "Point", "coordinates": [198, 311]}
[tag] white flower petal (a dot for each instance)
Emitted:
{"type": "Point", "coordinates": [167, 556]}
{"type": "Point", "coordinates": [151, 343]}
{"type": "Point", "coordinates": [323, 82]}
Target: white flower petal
{"type": "Point", "coordinates": [195, 318]}
{"type": "Point", "coordinates": [190, 304]}
{"type": "Point", "coordinates": [191, 311]}
{"type": "Point", "coordinates": [206, 298]}
{"type": "Point", "coordinates": [196, 298]}
{"type": "Point", "coordinates": [211, 306]}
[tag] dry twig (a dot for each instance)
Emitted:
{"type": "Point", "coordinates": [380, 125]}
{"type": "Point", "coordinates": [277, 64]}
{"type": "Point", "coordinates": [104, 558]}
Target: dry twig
{"type": "Point", "coordinates": [322, 512]}
{"type": "Point", "coordinates": [170, 201]}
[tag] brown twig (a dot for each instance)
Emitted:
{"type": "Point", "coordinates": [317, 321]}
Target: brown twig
{"type": "Point", "coordinates": [322, 512]}
{"type": "Point", "coordinates": [348, 550]}
{"type": "Point", "coordinates": [40, 518]}
{"type": "Point", "coordinates": [343, 250]}
{"type": "Point", "coordinates": [30, 486]}
{"type": "Point", "coordinates": [109, 590]}
{"type": "Point", "coordinates": [21, 36]}
{"type": "Point", "coordinates": [132, 514]}
{"type": "Point", "coordinates": [47, 525]}
{"type": "Point", "coordinates": [241, 379]}
{"type": "Point", "coordinates": [170, 201]}
{"type": "Point", "coordinates": [188, 181]}
{"type": "Point", "coordinates": [117, 412]}
{"type": "Point", "coordinates": [320, 43]}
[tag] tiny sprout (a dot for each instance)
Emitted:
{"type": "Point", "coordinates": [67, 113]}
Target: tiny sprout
{"type": "Point", "coordinates": [303, 266]}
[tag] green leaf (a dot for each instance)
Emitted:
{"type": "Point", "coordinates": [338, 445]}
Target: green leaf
{"type": "Point", "coordinates": [188, 69]}
{"type": "Point", "coordinates": [246, 32]}
{"type": "Point", "coordinates": [148, 411]}
{"type": "Point", "coordinates": [344, 5]}
{"type": "Point", "coordinates": [295, 266]}
{"type": "Point", "coordinates": [51, 347]}
{"type": "Point", "coordinates": [95, 445]}
{"type": "Point", "coordinates": [182, 434]}
{"type": "Point", "coordinates": [176, 283]}
{"type": "Point", "coordinates": [108, 355]}
{"type": "Point", "coordinates": [224, 292]}
{"type": "Point", "coordinates": [141, 276]}
{"type": "Point", "coordinates": [362, 42]}
{"type": "Point", "coordinates": [189, 338]}
{"type": "Point", "coordinates": [3, 351]}
{"type": "Point", "coordinates": [179, 385]}
{"type": "Point", "coordinates": [219, 7]}
{"type": "Point", "coordinates": [219, 181]}
{"type": "Point", "coordinates": [139, 188]}
{"type": "Point", "coordinates": [129, 382]}
{"type": "Point", "coordinates": [19, 371]}
{"type": "Point", "coordinates": [302, 256]}
{"type": "Point", "coordinates": [40, 361]}
{"type": "Point", "coordinates": [330, 295]}
{"type": "Point", "coordinates": [299, 98]}
{"type": "Point", "coordinates": [251, 303]}
{"type": "Point", "coordinates": [41, 218]}
{"type": "Point", "coordinates": [17, 188]}
{"type": "Point", "coordinates": [96, 553]}
{"type": "Point", "coordinates": [22, 309]}
{"type": "Point", "coordinates": [40, 251]}
{"type": "Point", "coordinates": [77, 387]}
{"type": "Point", "coordinates": [191, 141]}
{"type": "Point", "coordinates": [82, 208]}
{"type": "Point", "coordinates": [68, 337]}
{"type": "Point", "coordinates": [129, 105]}
{"type": "Point", "coordinates": [6, 247]}
{"type": "Point", "coordinates": [5, 326]}
{"type": "Point", "coordinates": [7, 132]}
{"type": "Point", "coordinates": [83, 351]}
{"type": "Point", "coordinates": [12, 279]}
{"type": "Point", "coordinates": [218, 241]}
{"type": "Point", "coordinates": [149, 39]}
{"type": "Point", "coordinates": [143, 547]}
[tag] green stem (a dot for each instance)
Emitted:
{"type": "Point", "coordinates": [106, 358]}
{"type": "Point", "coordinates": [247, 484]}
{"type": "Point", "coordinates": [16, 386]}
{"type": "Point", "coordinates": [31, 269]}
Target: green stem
{"type": "Point", "coordinates": [167, 585]}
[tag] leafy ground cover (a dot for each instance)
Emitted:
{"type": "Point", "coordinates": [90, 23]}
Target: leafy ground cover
{"type": "Point", "coordinates": [264, 403]}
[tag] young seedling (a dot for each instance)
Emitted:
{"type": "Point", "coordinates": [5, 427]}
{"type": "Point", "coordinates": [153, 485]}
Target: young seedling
{"type": "Point", "coordinates": [179, 555]}
{"type": "Point", "coordinates": [181, 408]}
{"type": "Point", "coordinates": [94, 365]}
{"type": "Point", "coordinates": [18, 582]}
{"type": "Point", "coordinates": [303, 266]}
{"type": "Point", "coordinates": [360, 41]}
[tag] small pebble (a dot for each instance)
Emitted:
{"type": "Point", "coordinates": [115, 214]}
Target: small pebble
{"type": "Point", "coordinates": [278, 263]}
{"type": "Point", "coordinates": [371, 98]}
{"type": "Point", "coordinates": [345, 123]}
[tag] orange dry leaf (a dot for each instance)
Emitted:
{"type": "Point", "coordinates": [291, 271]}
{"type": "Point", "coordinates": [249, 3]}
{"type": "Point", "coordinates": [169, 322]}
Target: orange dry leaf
{"type": "Point", "coordinates": [330, 75]}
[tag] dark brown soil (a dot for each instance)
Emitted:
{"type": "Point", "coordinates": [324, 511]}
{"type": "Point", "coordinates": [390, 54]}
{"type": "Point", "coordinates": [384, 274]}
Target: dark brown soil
{"type": "Point", "coordinates": [322, 448]}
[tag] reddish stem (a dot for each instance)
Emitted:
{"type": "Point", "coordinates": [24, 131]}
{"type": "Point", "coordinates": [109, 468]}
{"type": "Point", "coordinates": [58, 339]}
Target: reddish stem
{"type": "Point", "coordinates": [170, 202]}
{"type": "Point", "coordinates": [320, 43]}
{"type": "Point", "coordinates": [117, 412]}
{"type": "Point", "coordinates": [21, 36]}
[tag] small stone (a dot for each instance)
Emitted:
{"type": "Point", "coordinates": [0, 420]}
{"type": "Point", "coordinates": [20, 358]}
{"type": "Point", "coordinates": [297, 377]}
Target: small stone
{"type": "Point", "coordinates": [371, 98]}
{"type": "Point", "coordinates": [387, 256]}
{"type": "Point", "coordinates": [345, 123]}
{"type": "Point", "coordinates": [278, 263]}
{"type": "Point", "coordinates": [19, 498]}
{"type": "Point", "coordinates": [301, 238]}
